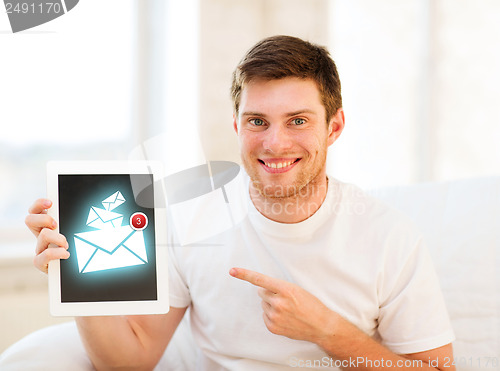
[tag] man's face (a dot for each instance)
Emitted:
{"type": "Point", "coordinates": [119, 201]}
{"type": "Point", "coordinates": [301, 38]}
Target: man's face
{"type": "Point", "coordinates": [283, 135]}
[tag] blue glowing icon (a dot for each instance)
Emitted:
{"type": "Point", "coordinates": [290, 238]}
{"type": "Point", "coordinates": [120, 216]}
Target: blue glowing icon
{"type": "Point", "coordinates": [112, 245]}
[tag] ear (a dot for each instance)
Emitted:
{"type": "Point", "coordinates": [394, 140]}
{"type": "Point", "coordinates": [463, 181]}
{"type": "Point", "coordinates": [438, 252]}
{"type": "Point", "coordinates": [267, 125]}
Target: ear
{"type": "Point", "coordinates": [335, 126]}
{"type": "Point", "coordinates": [235, 123]}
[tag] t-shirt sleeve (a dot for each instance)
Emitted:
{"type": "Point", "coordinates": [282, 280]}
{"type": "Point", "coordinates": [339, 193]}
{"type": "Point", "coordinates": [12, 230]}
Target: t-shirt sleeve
{"type": "Point", "coordinates": [413, 315]}
{"type": "Point", "coordinates": [179, 296]}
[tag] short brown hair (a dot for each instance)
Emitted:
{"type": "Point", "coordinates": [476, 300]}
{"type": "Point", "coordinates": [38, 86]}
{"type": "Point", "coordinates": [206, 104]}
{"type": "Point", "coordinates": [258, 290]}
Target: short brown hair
{"type": "Point", "coordinates": [281, 56]}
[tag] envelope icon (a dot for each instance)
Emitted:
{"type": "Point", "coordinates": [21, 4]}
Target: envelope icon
{"type": "Point", "coordinates": [113, 201]}
{"type": "Point", "coordinates": [107, 249]}
{"type": "Point", "coordinates": [103, 219]}
{"type": "Point", "coordinates": [112, 245]}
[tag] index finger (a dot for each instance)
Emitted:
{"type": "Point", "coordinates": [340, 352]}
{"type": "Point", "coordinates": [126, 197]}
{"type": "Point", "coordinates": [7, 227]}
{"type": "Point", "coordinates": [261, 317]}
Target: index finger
{"type": "Point", "coordinates": [39, 206]}
{"type": "Point", "coordinates": [257, 279]}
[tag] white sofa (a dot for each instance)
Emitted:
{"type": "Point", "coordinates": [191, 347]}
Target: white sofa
{"type": "Point", "coordinates": [461, 222]}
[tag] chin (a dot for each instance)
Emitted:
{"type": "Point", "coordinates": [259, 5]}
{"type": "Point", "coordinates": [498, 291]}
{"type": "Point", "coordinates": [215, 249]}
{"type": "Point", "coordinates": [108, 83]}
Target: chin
{"type": "Point", "coordinates": [277, 190]}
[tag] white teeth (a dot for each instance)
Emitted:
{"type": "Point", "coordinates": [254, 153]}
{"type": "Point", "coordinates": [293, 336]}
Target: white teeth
{"type": "Point", "coordinates": [279, 165]}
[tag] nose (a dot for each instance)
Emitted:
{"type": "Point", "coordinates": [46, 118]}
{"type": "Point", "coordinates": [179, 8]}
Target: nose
{"type": "Point", "coordinates": [277, 139]}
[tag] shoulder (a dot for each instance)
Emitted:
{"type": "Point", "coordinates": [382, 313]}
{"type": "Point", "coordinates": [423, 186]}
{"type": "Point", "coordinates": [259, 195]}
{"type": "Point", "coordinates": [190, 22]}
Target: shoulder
{"type": "Point", "coordinates": [372, 220]}
{"type": "Point", "coordinates": [354, 201]}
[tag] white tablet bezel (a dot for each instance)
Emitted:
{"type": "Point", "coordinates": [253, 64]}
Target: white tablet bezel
{"type": "Point", "coordinates": [159, 306]}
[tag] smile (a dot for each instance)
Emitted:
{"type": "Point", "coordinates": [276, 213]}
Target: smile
{"type": "Point", "coordinates": [278, 166]}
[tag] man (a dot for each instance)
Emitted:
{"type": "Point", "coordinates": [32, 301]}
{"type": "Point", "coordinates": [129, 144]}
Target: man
{"type": "Point", "coordinates": [320, 275]}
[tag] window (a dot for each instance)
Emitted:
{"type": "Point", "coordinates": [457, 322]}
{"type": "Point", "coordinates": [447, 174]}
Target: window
{"type": "Point", "coordinates": [420, 90]}
{"type": "Point", "coordinates": [94, 84]}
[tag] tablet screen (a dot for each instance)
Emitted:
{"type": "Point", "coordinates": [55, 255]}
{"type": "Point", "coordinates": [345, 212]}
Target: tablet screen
{"type": "Point", "coordinates": [111, 238]}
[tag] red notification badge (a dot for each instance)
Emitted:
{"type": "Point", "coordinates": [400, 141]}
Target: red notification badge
{"type": "Point", "coordinates": [138, 221]}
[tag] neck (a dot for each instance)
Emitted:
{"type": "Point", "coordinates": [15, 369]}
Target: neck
{"type": "Point", "coordinates": [294, 208]}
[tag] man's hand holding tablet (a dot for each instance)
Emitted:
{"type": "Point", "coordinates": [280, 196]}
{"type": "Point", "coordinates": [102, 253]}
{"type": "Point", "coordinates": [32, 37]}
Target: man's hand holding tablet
{"type": "Point", "coordinates": [113, 267]}
{"type": "Point", "coordinates": [50, 243]}
{"type": "Point", "coordinates": [128, 340]}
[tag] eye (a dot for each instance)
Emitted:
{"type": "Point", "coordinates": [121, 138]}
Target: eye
{"type": "Point", "coordinates": [257, 122]}
{"type": "Point", "coordinates": [298, 121]}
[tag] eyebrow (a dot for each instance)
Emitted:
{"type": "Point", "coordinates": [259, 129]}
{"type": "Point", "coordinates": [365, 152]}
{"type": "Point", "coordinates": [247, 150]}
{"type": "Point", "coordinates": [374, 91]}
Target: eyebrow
{"type": "Point", "coordinates": [252, 113]}
{"type": "Point", "coordinates": [289, 114]}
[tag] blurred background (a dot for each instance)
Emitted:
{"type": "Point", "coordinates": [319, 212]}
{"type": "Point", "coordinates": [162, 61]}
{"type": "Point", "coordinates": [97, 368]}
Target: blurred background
{"type": "Point", "coordinates": [419, 79]}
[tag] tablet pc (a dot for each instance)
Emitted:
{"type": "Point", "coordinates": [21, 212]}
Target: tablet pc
{"type": "Point", "coordinates": [114, 220]}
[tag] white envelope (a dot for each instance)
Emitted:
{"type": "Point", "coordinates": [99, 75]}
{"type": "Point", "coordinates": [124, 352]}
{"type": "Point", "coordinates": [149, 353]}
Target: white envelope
{"type": "Point", "coordinates": [103, 219]}
{"type": "Point", "coordinates": [113, 201]}
{"type": "Point", "coordinates": [108, 249]}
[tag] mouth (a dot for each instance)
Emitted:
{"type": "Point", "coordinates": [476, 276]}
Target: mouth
{"type": "Point", "coordinates": [281, 165]}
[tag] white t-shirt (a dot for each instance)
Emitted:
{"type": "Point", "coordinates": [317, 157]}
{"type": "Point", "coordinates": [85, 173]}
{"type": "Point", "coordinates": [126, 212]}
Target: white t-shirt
{"type": "Point", "coordinates": [362, 259]}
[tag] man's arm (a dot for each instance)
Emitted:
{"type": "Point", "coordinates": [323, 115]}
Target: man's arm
{"type": "Point", "coordinates": [344, 341]}
{"type": "Point", "coordinates": [293, 312]}
{"type": "Point", "coordinates": [112, 342]}
{"type": "Point", "coordinates": [128, 342]}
